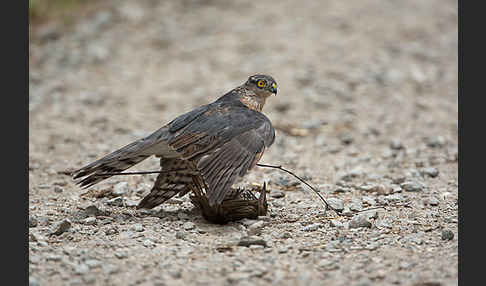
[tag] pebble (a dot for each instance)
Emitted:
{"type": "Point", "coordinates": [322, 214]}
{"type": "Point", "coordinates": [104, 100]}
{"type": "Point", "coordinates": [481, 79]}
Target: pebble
{"type": "Point", "coordinates": [120, 189]}
{"type": "Point", "coordinates": [81, 269]}
{"type": "Point", "coordinates": [121, 254]}
{"type": "Point", "coordinates": [117, 202]}
{"type": "Point", "coordinates": [58, 189]}
{"type": "Point", "coordinates": [396, 144]}
{"type": "Point", "coordinates": [277, 194]}
{"type": "Point", "coordinates": [431, 172]}
{"type": "Point", "coordinates": [89, 221]}
{"type": "Point", "coordinates": [32, 221]}
{"type": "Point", "coordinates": [188, 225]}
{"type": "Point", "coordinates": [180, 235]}
{"type": "Point", "coordinates": [148, 243]}
{"type": "Point", "coordinates": [336, 204]}
{"type": "Point", "coordinates": [93, 263]}
{"type": "Point", "coordinates": [92, 210]}
{"type": "Point", "coordinates": [359, 220]}
{"type": "Point", "coordinates": [312, 227]}
{"type": "Point", "coordinates": [356, 206]}
{"type": "Point", "coordinates": [61, 227]}
{"type": "Point", "coordinates": [251, 240]}
{"type": "Point", "coordinates": [336, 223]}
{"type": "Point", "coordinates": [369, 200]}
{"type": "Point", "coordinates": [256, 228]}
{"type": "Point", "coordinates": [432, 201]}
{"type": "Point", "coordinates": [33, 281]}
{"type": "Point", "coordinates": [137, 227]}
{"type": "Point", "coordinates": [292, 217]}
{"type": "Point", "coordinates": [447, 234]}
{"type": "Point", "coordinates": [412, 186]}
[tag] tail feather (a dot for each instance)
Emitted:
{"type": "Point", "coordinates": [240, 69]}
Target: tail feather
{"type": "Point", "coordinates": [122, 159]}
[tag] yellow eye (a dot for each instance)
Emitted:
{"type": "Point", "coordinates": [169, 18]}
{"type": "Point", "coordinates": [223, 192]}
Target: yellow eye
{"type": "Point", "coordinates": [261, 83]}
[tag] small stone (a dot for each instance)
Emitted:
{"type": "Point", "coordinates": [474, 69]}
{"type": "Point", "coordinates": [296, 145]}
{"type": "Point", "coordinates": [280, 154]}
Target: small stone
{"type": "Point", "coordinates": [431, 172]}
{"type": "Point", "coordinates": [359, 220]}
{"type": "Point", "coordinates": [137, 227]}
{"type": "Point", "coordinates": [117, 202]}
{"type": "Point", "coordinates": [61, 227]}
{"type": "Point", "coordinates": [33, 281]}
{"type": "Point", "coordinates": [335, 223]}
{"type": "Point", "coordinates": [251, 240]}
{"type": "Point", "coordinates": [436, 142]}
{"type": "Point", "coordinates": [120, 189]}
{"type": "Point", "coordinates": [292, 217]}
{"type": "Point", "coordinates": [92, 210]}
{"type": "Point", "coordinates": [53, 258]}
{"type": "Point", "coordinates": [356, 206]}
{"type": "Point", "coordinates": [447, 234]}
{"type": "Point", "coordinates": [89, 221]}
{"type": "Point", "coordinates": [148, 243]}
{"type": "Point", "coordinates": [368, 200]}
{"type": "Point", "coordinates": [93, 263]}
{"type": "Point", "coordinates": [283, 249]}
{"type": "Point", "coordinates": [111, 269]}
{"type": "Point", "coordinates": [312, 227]}
{"type": "Point", "coordinates": [412, 186]}
{"type": "Point", "coordinates": [396, 144]}
{"type": "Point", "coordinates": [81, 269]}
{"type": "Point", "coordinates": [256, 228]}
{"type": "Point", "coordinates": [432, 201]}
{"type": "Point", "coordinates": [58, 189]}
{"type": "Point", "coordinates": [130, 203]}
{"type": "Point", "coordinates": [180, 235]}
{"type": "Point", "coordinates": [182, 216]}
{"type": "Point", "coordinates": [121, 255]}
{"type": "Point", "coordinates": [188, 225]}
{"type": "Point", "coordinates": [32, 221]}
{"type": "Point", "coordinates": [336, 204]}
{"type": "Point", "coordinates": [347, 212]}
{"type": "Point", "coordinates": [277, 194]}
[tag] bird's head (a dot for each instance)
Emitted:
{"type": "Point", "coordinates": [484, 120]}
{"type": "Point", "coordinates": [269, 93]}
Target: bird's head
{"type": "Point", "coordinates": [262, 85]}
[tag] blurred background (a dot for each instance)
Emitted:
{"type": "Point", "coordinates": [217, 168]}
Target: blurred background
{"type": "Point", "coordinates": [102, 68]}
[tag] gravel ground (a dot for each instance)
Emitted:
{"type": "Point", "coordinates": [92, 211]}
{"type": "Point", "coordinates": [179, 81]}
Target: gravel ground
{"type": "Point", "coordinates": [366, 111]}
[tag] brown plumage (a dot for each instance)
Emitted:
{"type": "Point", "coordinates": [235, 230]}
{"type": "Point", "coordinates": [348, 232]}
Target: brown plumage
{"type": "Point", "coordinates": [212, 145]}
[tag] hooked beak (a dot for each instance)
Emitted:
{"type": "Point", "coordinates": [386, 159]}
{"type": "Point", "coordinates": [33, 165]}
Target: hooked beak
{"type": "Point", "coordinates": [274, 89]}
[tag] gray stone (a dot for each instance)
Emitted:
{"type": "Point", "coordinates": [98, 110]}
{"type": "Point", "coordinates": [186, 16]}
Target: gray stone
{"type": "Point", "coordinates": [412, 186]}
{"type": "Point", "coordinates": [61, 227]}
{"type": "Point", "coordinates": [431, 172]}
{"type": "Point", "coordinates": [312, 227]}
{"type": "Point", "coordinates": [277, 194]}
{"type": "Point", "coordinates": [120, 189]}
{"type": "Point", "coordinates": [180, 235]}
{"type": "Point", "coordinates": [396, 144]}
{"type": "Point", "coordinates": [32, 221]}
{"type": "Point", "coordinates": [189, 225]}
{"type": "Point", "coordinates": [256, 228]}
{"type": "Point", "coordinates": [359, 220]}
{"type": "Point", "coordinates": [336, 204]}
{"type": "Point", "coordinates": [58, 189]}
{"type": "Point", "coordinates": [252, 240]}
{"type": "Point", "coordinates": [81, 269]}
{"type": "Point", "coordinates": [93, 263]}
{"type": "Point", "coordinates": [117, 202]}
{"type": "Point", "coordinates": [447, 234]}
{"type": "Point", "coordinates": [137, 227]}
{"type": "Point", "coordinates": [121, 254]}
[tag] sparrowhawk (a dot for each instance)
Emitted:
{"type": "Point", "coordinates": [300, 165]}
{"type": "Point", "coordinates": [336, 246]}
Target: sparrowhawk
{"type": "Point", "coordinates": [207, 148]}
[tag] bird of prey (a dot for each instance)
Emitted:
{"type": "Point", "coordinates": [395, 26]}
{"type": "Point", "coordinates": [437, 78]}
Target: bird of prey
{"type": "Point", "coordinates": [204, 150]}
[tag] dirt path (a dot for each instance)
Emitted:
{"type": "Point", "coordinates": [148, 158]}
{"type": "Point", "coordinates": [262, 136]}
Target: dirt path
{"type": "Point", "coordinates": [366, 110]}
